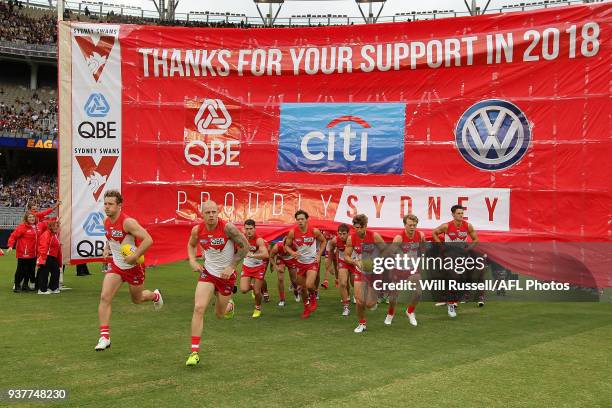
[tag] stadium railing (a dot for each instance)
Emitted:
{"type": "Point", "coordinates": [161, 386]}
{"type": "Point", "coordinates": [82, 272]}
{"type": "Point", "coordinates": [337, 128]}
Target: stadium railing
{"type": "Point", "coordinates": [100, 10]}
{"type": "Point", "coordinates": [10, 217]}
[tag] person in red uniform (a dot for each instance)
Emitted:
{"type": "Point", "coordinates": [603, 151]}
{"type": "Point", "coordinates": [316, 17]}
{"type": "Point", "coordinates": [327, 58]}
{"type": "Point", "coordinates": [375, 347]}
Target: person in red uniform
{"type": "Point", "coordinates": [337, 246]}
{"type": "Point", "coordinates": [49, 259]}
{"type": "Point", "coordinates": [223, 247]}
{"type": "Point", "coordinates": [412, 244]}
{"type": "Point", "coordinates": [456, 233]}
{"type": "Point", "coordinates": [121, 230]}
{"type": "Point", "coordinates": [362, 245]}
{"type": "Point", "coordinates": [254, 265]}
{"type": "Point", "coordinates": [281, 259]}
{"type": "Point", "coordinates": [309, 243]}
{"type": "Point", "coordinates": [24, 239]}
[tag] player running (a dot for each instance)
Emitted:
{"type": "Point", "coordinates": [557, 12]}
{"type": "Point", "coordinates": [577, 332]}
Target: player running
{"type": "Point", "coordinates": [338, 246]}
{"type": "Point", "coordinates": [456, 231]}
{"type": "Point", "coordinates": [121, 230]}
{"type": "Point", "coordinates": [254, 265]}
{"type": "Point", "coordinates": [310, 244]}
{"type": "Point", "coordinates": [279, 259]}
{"type": "Point", "coordinates": [362, 245]}
{"type": "Point", "coordinates": [223, 247]}
{"type": "Point", "coordinates": [411, 243]}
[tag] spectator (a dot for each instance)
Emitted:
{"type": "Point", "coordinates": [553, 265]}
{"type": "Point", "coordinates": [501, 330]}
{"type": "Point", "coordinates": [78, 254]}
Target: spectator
{"type": "Point", "coordinates": [49, 259]}
{"type": "Point", "coordinates": [87, 13]}
{"type": "Point", "coordinates": [24, 239]}
{"type": "Point", "coordinates": [40, 216]}
{"type": "Point", "coordinates": [39, 191]}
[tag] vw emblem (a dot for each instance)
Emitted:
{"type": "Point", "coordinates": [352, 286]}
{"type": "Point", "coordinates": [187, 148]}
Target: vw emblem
{"type": "Point", "coordinates": [493, 135]}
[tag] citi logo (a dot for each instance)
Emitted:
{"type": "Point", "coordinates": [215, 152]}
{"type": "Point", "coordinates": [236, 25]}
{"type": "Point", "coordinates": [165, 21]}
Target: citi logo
{"type": "Point", "coordinates": [346, 136]}
{"type": "Point", "coordinates": [362, 138]}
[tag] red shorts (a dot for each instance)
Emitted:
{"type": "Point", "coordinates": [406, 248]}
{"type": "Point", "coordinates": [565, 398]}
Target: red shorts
{"type": "Point", "coordinates": [343, 265]}
{"type": "Point", "coordinates": [257, 272]}
{"type": "Point", "coordinates": [135, 276]}
{"type": "Point", "coordinates": [289, 263]}
{"type": "Point", "coordinates": [224, 286]}
{"type": "Point", "coordinates": [303, 268]}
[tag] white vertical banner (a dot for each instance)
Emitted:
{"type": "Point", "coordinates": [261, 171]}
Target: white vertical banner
{"type": "Point", "coordinates": [96, 132]}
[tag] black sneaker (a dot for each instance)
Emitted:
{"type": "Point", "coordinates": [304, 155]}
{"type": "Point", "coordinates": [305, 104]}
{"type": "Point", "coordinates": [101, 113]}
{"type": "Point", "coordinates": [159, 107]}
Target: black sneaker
{"type": "Point", "coordinates": [17, 290]}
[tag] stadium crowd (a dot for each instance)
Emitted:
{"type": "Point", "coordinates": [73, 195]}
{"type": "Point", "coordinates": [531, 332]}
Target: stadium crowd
{"type": "Point", "coordinates": [18, 27]}
{"type": "Point", "coordinates": [38, 189]}
{"type": "Point", "coordinates": [30, 116]}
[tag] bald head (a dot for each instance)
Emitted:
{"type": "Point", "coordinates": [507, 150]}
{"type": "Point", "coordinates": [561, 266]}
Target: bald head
{"type": "Point", "coordinates": [210, 213]}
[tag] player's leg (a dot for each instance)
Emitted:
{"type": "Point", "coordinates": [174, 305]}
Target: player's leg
{"type": "Point", "coordinates": [415, 298]}
{"type": "Point", "coordinates": [312, 278]}
{"type": "Point", "coordinates": [301, 283]}
{"type": "Point", "coordinates": [343, 278]}
{"type": "Point", "coordinates": [245, 283]}
{"type": "Point", "coordinates": [110, 286]}
{"type": "Point", "coordinates": [138, 293]}
{"type": "Point", "coordinates": [328, 271]}
{"type": "Point", "coordinates": [203, 294]}
{"type": "Point", "coordinates": [258, 290]}
{"type": "Point", "coordinates": [366, 299]}
{"type": "Point", "coordinates": [280, 274]}
{"type": "Point", "coordinates": [392, 297]}
{"type": "Point", "coordinates": [223, 305]}
{"type": "Point", "coordinates": [264, 290]}
{"type": "Point", "coordinates": [294, 282]}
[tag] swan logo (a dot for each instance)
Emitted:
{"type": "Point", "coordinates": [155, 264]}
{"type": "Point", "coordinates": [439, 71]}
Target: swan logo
{"type": "Point", "coordinates": [95, 55]}
{"type": "Point", "coordinates": [96, 174]}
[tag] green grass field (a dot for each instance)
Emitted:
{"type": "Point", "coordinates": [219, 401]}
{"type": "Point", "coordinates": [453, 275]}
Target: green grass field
{"type": "Point", "coordinates": [507, 354]}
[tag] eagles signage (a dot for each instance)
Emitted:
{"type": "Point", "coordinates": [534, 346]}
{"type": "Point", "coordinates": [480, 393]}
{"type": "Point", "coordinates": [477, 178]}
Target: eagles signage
{"type": "Point", "coordinates": [506, 115]}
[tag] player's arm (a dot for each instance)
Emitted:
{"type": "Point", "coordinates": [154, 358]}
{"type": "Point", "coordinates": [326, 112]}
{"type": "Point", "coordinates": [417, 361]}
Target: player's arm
{"type": "Point", "coordinates": [132, 226]}
{"type": "Point", "coordinates": [106, 250]}
{"type": "Point", "coordinates": [473, 236]}
{"type": "Point", "coordinates": [192, 251]}
{"type": "Point", "coordinates": [289, 243]}
{"type": "Point", "coordinates": [438, 231]}
{"type": "Point", "coordinates": [242, 247]}
{"type": "Point", "coordinates": [348, 253]}
{"type": "Point", "coordinates": [322, 243]}
{"type": "Point", "coordinates": [262, 251]}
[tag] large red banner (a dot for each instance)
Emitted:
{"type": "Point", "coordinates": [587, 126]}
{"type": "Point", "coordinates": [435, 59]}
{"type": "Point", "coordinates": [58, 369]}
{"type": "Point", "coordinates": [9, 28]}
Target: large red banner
{"type": "Point", "coordinates": [507, 115]}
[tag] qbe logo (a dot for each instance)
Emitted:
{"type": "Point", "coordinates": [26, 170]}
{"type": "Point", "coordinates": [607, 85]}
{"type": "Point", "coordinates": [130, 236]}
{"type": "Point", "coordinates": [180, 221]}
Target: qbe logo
{"type": "Point", "coordinates": [363, 138]}
{"type": "Point", "coordinates": [94, 225]}
{"type": "Point", "coordinates": [212, 117]}
{"type": "Point", "coordinates": [493, 135]}
{"type": "Point", "coordinates": [96, 106]}
{"type": "Point", "coordinates": [206, 140]}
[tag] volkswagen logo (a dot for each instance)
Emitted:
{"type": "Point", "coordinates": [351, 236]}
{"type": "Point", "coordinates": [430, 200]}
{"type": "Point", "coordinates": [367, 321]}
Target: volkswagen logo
{"type": "Point", "coordinates": [493, 135]}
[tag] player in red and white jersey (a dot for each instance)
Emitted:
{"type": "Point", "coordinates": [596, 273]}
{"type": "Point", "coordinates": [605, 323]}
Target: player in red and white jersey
{"type": "Point", "coordinates": [456, 231]}
{"type": "Point", "coordinates": [223, 247]}
{"type": "Point", "coordinates": [122, 229]}
{"type": "Point", "coordinates": [338, 246]}
{"type": "Point", "coordinates": [279, 260]}
{"type": "Point", "coordinates": [309, 243]}
{"type": "Point", "coordinates": [410, 243]}
{"type": "Point", "coordinates": [254, 265]}
{"type": "Point", "coordinates": [362, 245]}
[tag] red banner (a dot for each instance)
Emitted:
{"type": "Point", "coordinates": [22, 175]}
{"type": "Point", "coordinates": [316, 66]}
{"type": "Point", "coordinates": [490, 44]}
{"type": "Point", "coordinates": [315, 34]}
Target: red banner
{"type": "Point", "coordinates": [507, 115]}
